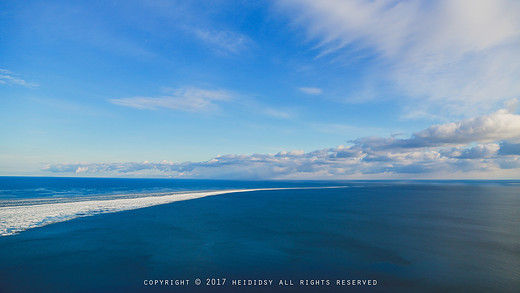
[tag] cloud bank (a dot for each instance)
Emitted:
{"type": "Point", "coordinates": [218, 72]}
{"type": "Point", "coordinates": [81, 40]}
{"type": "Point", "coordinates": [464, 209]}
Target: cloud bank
{"type": "Point", "coordinates": [471, 148]}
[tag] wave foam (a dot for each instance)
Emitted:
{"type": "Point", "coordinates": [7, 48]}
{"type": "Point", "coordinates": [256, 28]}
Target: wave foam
{"type": "Point", "coordinates": [15, 219]}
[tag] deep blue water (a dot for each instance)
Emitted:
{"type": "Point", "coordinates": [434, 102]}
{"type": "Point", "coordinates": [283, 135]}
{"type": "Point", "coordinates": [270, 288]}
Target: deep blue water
{"type": "Point", "coordinates": [418, 236]}
{"type": "Point", "coordinates": [47, 187]}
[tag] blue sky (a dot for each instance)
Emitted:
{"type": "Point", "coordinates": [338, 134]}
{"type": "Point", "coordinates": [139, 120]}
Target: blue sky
{"type": "Point", "coordinates": [259, 90]}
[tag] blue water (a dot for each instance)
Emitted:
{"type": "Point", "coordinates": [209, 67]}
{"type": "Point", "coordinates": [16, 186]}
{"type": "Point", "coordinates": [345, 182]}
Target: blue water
{"type": "Point", "coordinates": [418, 236]}
{"type": "Point", "coordinates": [58, 187]}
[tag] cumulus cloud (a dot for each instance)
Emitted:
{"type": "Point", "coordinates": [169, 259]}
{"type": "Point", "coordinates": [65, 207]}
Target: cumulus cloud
{"type": "Point", "coordinates": [342, 162]}
{"type": "Point", "coordinates": [508, 148]}
{"type": "Point", "coordinates": [452, 54]}
{"type": "Point", "coordinates": [479, 151]}
{"type": "Point", "coordinates": [498, 126]}
{"type": "Point", "coordinates": [473, 146]}
{"type": "Point", "coordinates": [9, 78]}
{"type": "Point", "coordinates": [182, 99]}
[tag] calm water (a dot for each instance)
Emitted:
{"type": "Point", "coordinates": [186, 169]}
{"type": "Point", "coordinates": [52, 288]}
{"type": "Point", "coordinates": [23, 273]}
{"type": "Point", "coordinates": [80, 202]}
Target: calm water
{"type": "Point", "coordinates": [408, 236]}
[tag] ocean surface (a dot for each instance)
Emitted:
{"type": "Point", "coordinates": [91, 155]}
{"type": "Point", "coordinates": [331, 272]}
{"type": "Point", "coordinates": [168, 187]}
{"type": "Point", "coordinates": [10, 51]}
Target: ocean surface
{"type": "Point", "coordinates": [163, 235]}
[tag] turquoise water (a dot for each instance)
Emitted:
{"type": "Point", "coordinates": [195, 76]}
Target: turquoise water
{"type": "Point", "coordinates": [407, 236]}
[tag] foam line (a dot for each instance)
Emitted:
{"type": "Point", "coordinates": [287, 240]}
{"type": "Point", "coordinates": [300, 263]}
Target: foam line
{"type": "Point", "coordinates": [15, 219]}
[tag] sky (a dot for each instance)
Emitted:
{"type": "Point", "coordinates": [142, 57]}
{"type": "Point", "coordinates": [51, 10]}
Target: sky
{"type": "Point", "coordinates": [288, 89]}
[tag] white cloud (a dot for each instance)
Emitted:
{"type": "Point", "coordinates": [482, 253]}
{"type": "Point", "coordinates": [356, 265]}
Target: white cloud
{"type": "Point", "coordinates": [500, 125]}
{"type": "Point", "coordinates": [311, 90]}
{"type": "Point", "coordinates": [182, 99]}
{"type": "Point", "coordinates": [9, 78]}
{"type": "Point", "coordinates": [278, 113]}
{"type": "Point", "coordinates": [333, 163]}
{"type": "Point", "coordinates": [477, 152]}
{"type": "Point", "coordinates": [223, 41]}
{"type": "Point", "coordinates": [81, 169]}
{"type": "Point", "coordinates": [441, 151]}
{"type": "Point", "coordinates": [452, 55]}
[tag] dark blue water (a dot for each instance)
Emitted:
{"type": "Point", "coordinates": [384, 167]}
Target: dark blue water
{"type": "Point", "coordinates": [46, 187]}
{"type": "Point", "coordinates": [408, 236]}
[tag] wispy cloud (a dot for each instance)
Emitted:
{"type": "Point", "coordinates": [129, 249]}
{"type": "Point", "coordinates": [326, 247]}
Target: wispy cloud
{"type": "Point", "coordinates": [9, 78]}
{"type": "Point", "coordinates": [447, 55]}
{"type": "Point", "coordinates": [276, 113]}
{"type": "Point", "coordinates": [182, 99]}
{"type": "Point", "coordinates": [225, 42]}
{"type": "Point", "coordinates": [311, 90]}
{"type": "Point", "coordinates": [477, 147]}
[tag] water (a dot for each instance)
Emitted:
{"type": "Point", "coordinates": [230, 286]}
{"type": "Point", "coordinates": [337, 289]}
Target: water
{"type": "Point", "coordinates": [59, 187]}
{"type": "Point", "coordinates": [429, 236]}
{"type": "Point", "coordinates": [27, 203]}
